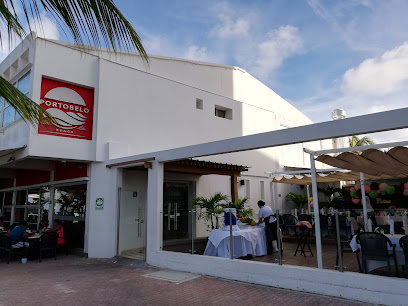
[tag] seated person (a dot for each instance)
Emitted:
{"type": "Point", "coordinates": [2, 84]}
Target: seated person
{"type": "Point", "coordinates": [58, 229]}
{"type": "Point", "coordinates": [2, 223]}
{"type": "Point", "coordinates": [45, 226]}
{"type": "Point", "coordinates": [17, 234]}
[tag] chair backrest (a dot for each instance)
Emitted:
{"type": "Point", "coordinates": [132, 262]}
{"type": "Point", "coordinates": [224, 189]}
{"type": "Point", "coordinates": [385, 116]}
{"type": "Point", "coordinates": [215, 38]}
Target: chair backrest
{"type": "Point", "coordinates": [399, 228]}
{"type": "Point", "coordinates": [305, 217]}
{"type": "Point", "coordinates": [324, 221]}
{"type": "Point", "coordinates": [374, 220]}
{"type": "Point", "coordinates": [403, 242]}
{"type": "Point", "coordinates": [280, 219]}
{"type": "Point", "coordinates": [373, 244]}
{"type": "Point", "coordinates": [386, 228]}
{"type": "Point", "coordinates": [5, 242]}
{"type": "Point", "coordinates": [289, 219]}
{"type": "Point", "coordinates": [49, 239]}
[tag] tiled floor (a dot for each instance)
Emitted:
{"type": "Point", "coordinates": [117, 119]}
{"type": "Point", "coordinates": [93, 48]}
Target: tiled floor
{"type": "Point", "coordinates": [73, 280]}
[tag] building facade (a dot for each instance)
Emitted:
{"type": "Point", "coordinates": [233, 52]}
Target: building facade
{"type": "Point", "coordinates": [109, 106]}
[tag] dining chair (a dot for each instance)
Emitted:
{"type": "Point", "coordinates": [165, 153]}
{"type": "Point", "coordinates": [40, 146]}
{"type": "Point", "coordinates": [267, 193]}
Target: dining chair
{"type": "Point", "coordinates": [290, 223]}
{"type": "Point", "coordinates": [399, 228]}
{"type": "Point", "coordinates": [302, 234]}
{"type": "Point", "coordinates": [374, 246]}
{"type": "Point", "coordinates": [48, 242]}
{"type": "Point", "coordinates": [343, 225]}
{"type": "Point", "coordinates": [6, 251]}
{"type": "Point", "coordinates": [403, 242]}
{"type": "Point", "coordinates": [345, 248]}
{"type": "Point", "coordinates": [324, 225]}
{"type": "Point", "coordinates": [385, 228]}
{"type": "Point", "coordinates": [305, 217]}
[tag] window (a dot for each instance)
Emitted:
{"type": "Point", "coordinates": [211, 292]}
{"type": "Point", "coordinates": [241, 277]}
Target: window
{"type": "Point", "coordinates": [7, 113]}
{"type": "Point", "coordinates": [262, 189]}
{"type": "Point", "coordinates": [247, 189]}
{"type": "Point", "coordinates": [70, 201]}
{"type": "Point", "coordinates": [199, 104]}
{"type": "Point", "coordinates": [223, 112]}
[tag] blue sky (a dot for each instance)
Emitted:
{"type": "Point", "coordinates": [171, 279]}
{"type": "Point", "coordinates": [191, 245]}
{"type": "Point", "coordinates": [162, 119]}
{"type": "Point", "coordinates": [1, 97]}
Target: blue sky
{"type": "Point", "coordinates": [317, 54]}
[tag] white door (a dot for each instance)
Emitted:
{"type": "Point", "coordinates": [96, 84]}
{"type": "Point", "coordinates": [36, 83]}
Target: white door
{"type": "Point", "coordinates": [132, 224]}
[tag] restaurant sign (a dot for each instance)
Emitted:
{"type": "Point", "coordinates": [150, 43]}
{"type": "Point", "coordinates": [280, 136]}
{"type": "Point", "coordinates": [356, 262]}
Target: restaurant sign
{"type": "Point", "coordinates": [70, 105]}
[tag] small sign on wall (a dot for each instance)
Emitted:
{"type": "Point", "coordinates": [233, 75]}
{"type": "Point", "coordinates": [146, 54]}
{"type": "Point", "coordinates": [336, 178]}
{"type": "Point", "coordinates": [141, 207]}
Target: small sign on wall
{"type": "Point", "coordinates": [99, 204]}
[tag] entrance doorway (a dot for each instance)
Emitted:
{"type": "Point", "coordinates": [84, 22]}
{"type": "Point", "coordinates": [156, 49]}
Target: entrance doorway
{"type": "Point", "coordinates": [132, 224]}
{"type": "Point", "coordinates": [177, 216]}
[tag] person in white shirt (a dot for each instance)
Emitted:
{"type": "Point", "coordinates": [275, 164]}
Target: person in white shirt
{"type": "Point", "coordinates": [265, 215]}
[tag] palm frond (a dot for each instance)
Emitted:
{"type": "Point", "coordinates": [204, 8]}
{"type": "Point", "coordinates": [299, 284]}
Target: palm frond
{"type": "Point", "coordinates": [90, 22]}
{"type": "Point", "coordinates": [8, 17]}
{"type": "Point", "coordinates": [24, 106]}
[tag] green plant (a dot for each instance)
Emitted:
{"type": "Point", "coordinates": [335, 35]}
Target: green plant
{"type": "Point", "coordinates": [328, 191]}
{"type": "Point", "coordinates": [210, 208]}
{"type": "Point", "coordinates": [298, 199]}
{"type": "Point", "coordinates": [239, 205]}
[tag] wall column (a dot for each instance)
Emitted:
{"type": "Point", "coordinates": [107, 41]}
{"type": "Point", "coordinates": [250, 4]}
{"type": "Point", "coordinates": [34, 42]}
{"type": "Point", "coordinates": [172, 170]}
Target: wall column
{"type": "Point", "coordinates": [154, 225]}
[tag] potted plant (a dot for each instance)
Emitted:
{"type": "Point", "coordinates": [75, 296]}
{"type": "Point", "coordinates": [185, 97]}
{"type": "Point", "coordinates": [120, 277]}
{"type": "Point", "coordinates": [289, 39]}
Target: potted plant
{"type": "Point", "coordinates": [210, 208]}
{"type": "Point", "coordinates": [243, 214]}
{"type": "Point", "coordinates": [298, 199]}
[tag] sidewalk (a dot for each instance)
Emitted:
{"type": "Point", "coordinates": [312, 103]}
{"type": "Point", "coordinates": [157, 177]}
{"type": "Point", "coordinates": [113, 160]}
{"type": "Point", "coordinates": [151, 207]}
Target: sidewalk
{"type": "Point", "coordinates": [72, 280]}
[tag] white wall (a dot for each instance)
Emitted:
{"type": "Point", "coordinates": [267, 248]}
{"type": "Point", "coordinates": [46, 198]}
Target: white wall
{"type": "Point", "coordinates": [101, 231]}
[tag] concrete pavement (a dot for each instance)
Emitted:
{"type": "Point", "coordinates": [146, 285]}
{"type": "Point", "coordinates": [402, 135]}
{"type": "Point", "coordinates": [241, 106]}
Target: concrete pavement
{"type": "Point", "coordinates": [72, 280]}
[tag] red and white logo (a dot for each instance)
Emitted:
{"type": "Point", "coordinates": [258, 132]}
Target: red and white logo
{"type": "Point", "coordinates": [71, 106]}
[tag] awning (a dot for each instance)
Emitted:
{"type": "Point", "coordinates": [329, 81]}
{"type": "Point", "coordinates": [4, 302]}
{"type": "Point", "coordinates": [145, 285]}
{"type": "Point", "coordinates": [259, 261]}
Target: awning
{"type": "Point", "coordinates": [374, 163]}
{"type": "Point", "coordinates": [305, 179]}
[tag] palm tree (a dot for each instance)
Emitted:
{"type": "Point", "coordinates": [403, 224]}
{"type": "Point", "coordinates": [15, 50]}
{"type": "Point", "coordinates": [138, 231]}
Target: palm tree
{"type": "Point", "coordinates": [93, 22]}
{"type": "Point", "coordinates": [355, 141]}
{"type": "Point", "coordinates": [210, 208]}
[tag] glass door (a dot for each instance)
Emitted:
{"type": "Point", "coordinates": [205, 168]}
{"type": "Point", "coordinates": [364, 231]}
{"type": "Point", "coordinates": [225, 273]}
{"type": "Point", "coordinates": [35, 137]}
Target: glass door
{"type": "Point", "coordinates": [177, 217]}
{"type": "Point", "coordinates": [132, 224]}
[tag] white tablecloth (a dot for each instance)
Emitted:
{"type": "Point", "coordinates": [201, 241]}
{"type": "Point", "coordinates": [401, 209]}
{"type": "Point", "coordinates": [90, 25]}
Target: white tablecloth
{"type": "Point", "coordinates": [374, 264]}
{"type": "Point", "coordinates": [246, 241]}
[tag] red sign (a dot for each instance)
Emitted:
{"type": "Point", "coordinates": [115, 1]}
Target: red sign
{"type": "Point", "coordinates": [71, 106]}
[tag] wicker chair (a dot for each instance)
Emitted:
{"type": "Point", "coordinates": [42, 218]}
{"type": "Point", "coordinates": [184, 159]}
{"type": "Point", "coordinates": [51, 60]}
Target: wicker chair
{"type": "Point", "coordinates": [290, 223]}
{"type": "Point", "coordinates": [399, 228]}
{"type": "Point", "coordinates": [374, 246]}
{"type": "Point", "coordinates": [324, 225]}
{"type": "Point", "coordinates": [345, 248]}
{"type": "Point", "coordinates": [403, 242]}
{"type": "Point", "coordinates": [342, 225]}
{"type": "Point", "coordinates": [305, 217]}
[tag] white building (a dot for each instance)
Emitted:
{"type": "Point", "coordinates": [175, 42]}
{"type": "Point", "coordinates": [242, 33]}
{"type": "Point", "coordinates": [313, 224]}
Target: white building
{"type": "Point", "coordinates": [111, 105]}
{"type": "Point", "coordinates": [115, 169]}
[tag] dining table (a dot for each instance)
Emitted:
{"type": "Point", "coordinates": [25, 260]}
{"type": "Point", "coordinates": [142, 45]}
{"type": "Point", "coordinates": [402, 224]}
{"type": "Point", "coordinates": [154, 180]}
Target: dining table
{"type": "Point", "coordinates": [374, 264]}
{"type": "Point", "coordinates": [34, 242]}
{"type": "Point", "coordinates": [247, 240]}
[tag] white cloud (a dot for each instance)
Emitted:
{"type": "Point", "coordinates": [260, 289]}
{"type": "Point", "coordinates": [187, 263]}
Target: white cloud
{"type": "Point", "coordinates": [280, 44]}
{"type": "Point", "coordinates": [198, 54]}
{"type": "Point", "coordinates": [163, 46]}
{"type": "Point", "coordinates": [228, 28]}
{"type": "Point", "coordinates": [47, 28]}
{"type": "Point", "coordinates": [385, 75]}
{"type": "Point", "coordinates": [230, 24]}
